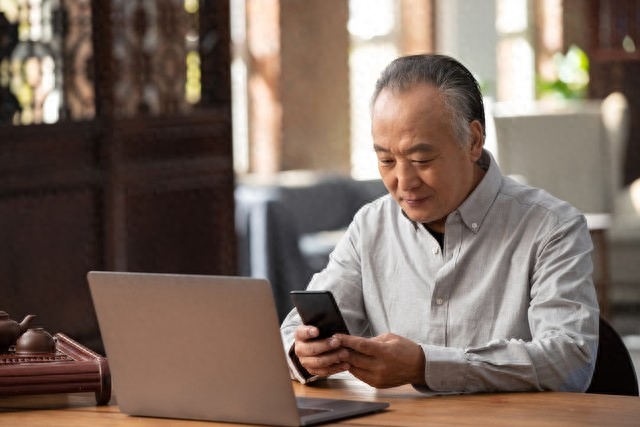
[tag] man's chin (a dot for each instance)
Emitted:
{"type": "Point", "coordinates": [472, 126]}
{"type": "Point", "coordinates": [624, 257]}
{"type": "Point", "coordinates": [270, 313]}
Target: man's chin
{"type": "Point", "coordinates": [420, 217]}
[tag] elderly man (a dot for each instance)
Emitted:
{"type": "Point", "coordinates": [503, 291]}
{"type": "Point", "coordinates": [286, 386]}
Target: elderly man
{"type": "Point", "coordinates": [461, 279]}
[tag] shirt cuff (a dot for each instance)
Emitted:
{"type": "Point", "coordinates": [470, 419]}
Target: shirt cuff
{"type": "Point", "coordinates": [298, 372]}
{"type": "Point", "coordinates": [445, 368]}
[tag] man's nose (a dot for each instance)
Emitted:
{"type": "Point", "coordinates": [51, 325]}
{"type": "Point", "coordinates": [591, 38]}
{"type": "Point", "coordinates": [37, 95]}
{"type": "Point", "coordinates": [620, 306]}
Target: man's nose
{"type": "Point", "coordinates": [406, 176]}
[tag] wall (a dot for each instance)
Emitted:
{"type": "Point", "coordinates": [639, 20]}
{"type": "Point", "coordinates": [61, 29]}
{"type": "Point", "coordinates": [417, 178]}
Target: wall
{"type": "Point", "coordinates": [314, 85]}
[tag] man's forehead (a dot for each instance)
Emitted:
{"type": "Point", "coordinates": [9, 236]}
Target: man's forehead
{"type": "Point", "coordinates": [418, 147]}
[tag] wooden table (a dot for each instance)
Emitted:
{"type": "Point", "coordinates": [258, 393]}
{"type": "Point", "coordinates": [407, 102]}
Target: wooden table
{"type": "Point", "coordinates": [408, 408]}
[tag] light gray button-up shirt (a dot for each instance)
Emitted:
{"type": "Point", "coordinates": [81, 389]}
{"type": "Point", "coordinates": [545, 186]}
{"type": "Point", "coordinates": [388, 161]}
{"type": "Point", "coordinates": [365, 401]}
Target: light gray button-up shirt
{"type": "Point", "coordinates": [507, 304]}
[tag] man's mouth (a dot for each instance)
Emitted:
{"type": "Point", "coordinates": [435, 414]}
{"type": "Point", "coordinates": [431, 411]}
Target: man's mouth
{"type": "Point", "coordinates": [415, 201]}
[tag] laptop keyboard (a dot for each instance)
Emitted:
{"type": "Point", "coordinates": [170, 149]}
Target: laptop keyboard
{"type": "Point", "coordinates": [311, 411]}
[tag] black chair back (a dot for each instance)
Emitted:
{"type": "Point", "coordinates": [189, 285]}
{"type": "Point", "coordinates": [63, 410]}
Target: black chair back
{"type": "Point", "coordinates": [614, 372]}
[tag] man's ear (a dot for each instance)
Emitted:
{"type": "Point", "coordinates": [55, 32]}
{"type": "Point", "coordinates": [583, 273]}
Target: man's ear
{"type": "Point", "coordinates": [477, 140]}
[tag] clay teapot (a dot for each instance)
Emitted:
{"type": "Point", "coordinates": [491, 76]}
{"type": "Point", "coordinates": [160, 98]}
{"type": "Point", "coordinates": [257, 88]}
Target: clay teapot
{"type": "Point", "coordinates": [36, 340]}
{"type": "Point", "coordinates": [10, 330]}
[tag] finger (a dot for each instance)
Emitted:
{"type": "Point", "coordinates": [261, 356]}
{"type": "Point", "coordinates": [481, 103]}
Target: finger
{"type": "Point", "coordinates": [358, 344]}
{"type": "Point", "coordinates": [329, 370]}
{"type": "Point", "coordinates": [315, 347]}
{"type": "Point", "coordinates": [326, 364]}
{"type": "Point", "coordinates": [324, 360]}
{"type": "Point", "coordinates": [386, 337]}
{"type": "Point", "coordinates": [359, 360]}
{"type": "Point", "coordinates": [305, 333]}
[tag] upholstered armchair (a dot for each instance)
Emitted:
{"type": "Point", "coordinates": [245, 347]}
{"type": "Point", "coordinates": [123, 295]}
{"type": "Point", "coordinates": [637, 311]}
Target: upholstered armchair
{"type": "Point", "coordinates": [624, 235]}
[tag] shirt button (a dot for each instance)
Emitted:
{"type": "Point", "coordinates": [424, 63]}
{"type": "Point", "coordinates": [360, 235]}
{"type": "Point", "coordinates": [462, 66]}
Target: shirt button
{"type": "Point", "coordinates": [435, 250]}
{"type": "Point", "coordinates": [474, 225]}
{"type": "Point", "coordinates": [439, 301]}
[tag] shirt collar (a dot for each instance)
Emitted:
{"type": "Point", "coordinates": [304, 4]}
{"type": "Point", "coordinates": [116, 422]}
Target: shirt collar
{"type": "Point", "coordinates": [475, 207]}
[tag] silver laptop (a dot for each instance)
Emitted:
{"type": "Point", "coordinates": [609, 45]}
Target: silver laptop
{"type": "Point", "coordinates": [203, 348]}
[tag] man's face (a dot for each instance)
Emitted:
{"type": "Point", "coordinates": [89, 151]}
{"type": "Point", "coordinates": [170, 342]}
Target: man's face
{"type": "Point", "coordinates": [423, 166]}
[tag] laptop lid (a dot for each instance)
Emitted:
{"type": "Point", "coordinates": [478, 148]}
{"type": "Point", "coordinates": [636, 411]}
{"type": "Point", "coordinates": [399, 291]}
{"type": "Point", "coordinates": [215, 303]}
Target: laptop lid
{"type": "Point", "coordinates": [200, 347]}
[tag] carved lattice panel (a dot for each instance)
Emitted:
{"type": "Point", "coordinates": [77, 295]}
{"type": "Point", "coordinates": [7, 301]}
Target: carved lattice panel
{"type": "Point", "coordinates": [30, 61]}
{"type": "Point", "coordinates": [137, 171]}
{"type": "Point", "coordinates": [156, 43]}
{"type": "Point", "coordinates": [78, 73]}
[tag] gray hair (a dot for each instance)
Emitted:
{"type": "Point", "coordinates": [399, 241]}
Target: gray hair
{"type": "Point", "coordinates": [460, 90]}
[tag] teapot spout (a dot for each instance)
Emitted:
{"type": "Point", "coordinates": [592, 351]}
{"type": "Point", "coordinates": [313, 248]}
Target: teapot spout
{"type": "Point", "coordinates": [26, 322]}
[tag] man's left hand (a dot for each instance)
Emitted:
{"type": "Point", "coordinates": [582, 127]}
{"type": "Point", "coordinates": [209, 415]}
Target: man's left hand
{"type": "Point", "coordinates": [387, 360]}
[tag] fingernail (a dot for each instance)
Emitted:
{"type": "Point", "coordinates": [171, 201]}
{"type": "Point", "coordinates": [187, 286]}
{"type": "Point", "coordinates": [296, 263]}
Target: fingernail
{"type": "Point", "coordinates": [333, 342]}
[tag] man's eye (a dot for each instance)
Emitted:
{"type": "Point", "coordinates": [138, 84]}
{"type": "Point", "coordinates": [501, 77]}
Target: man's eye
{"type": "Point", "coordinates": [420, 161]}
{"type": "Point", "coordinates": [386, 161]}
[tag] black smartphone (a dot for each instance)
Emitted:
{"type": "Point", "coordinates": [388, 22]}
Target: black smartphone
{"type": "Point", "coordinates": [319, 309]}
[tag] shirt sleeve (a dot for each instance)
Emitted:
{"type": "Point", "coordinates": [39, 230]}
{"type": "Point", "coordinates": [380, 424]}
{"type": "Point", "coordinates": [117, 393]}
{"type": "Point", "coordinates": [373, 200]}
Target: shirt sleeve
{"type": "Point", "coordinates": [563, 317]}
{"type": "Point", "coordinates": [343, 278]}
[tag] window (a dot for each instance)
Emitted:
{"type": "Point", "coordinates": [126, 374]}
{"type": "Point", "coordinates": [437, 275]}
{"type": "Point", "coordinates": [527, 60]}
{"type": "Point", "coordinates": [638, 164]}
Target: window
{"type": "Point", "coordinates": [374, 43]}
{"type": "Point", "coordinates": [515, 56]}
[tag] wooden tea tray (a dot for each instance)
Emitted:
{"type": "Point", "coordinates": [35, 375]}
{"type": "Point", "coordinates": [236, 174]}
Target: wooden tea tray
{"type": "Point", "coordinates": [72, 368]}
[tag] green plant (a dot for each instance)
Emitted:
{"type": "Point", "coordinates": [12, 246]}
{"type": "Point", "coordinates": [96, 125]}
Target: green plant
{"type": "Point", "coordinates": [572, 76]}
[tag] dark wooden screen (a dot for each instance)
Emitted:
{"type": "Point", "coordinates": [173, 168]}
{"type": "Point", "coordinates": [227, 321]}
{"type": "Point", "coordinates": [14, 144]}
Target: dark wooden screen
{"type": "Point", "coordinates": [614, 53]}
{"type": "Point", "coordinates": [134, 175]}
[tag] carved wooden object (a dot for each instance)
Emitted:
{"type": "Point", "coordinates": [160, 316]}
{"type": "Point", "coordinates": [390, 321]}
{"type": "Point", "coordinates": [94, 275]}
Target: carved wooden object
{"type": "Point", "coordinates": [72, 368]}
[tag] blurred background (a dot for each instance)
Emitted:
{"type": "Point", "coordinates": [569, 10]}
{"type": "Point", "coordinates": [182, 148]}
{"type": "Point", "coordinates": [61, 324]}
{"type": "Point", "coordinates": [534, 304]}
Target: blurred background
{"type": "Point", "coordinates": [232, 136]}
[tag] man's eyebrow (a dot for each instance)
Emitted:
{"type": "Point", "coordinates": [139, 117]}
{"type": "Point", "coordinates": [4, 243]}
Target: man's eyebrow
{"type": "Point", "coordinates": [421, 147]}
{"type": "Point", "coordinates": [378, 149]}
{"type": "Point", "coordinates": [418, 148]}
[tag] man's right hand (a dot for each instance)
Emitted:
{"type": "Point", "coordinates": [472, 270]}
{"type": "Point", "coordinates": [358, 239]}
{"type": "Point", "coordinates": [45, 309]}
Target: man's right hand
{"type": "Point", "coordinates": [319, 357]}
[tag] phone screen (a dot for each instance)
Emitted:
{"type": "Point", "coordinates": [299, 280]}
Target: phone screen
{"type": "Point", "coordinates": [319, 309]}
